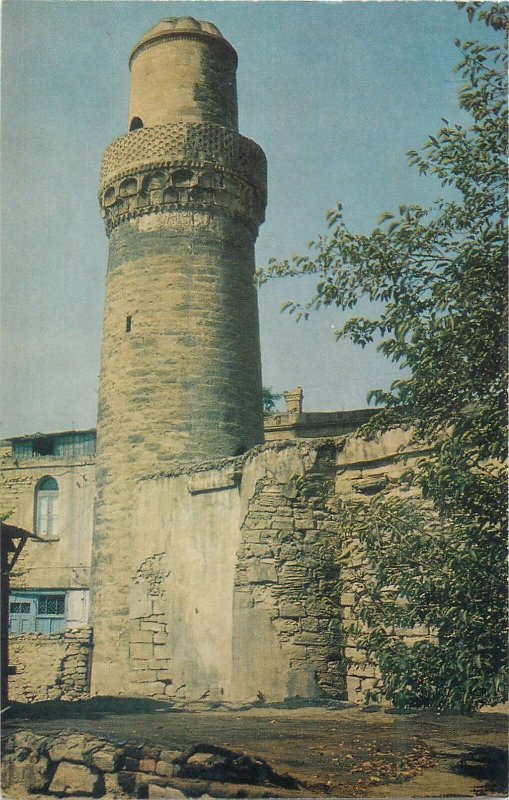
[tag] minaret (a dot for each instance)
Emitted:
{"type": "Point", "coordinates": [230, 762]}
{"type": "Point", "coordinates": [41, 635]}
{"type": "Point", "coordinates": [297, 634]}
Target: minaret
{"type": "Point", "coordinates": [182, 195]}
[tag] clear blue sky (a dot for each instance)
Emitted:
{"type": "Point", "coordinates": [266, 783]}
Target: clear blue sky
{"type": "Point", "coordinates": [335, 93]}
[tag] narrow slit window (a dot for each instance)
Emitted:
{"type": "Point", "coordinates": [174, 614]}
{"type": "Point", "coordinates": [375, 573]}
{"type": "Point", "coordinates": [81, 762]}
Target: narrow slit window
{"type": "Point", "coordinates": [128, 323]}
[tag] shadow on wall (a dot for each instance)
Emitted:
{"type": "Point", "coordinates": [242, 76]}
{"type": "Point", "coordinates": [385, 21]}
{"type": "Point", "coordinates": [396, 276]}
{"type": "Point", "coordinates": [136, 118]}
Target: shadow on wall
{"type": "Point", "coordinates": [103, 707]}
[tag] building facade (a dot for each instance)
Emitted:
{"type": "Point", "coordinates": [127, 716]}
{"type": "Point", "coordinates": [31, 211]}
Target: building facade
{"type": "Point", "coordinates": [190, 543]}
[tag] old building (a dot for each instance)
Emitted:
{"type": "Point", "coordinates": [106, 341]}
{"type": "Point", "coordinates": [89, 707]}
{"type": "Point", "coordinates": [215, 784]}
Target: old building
{"type": "Point", "coordinates": [201, 552]}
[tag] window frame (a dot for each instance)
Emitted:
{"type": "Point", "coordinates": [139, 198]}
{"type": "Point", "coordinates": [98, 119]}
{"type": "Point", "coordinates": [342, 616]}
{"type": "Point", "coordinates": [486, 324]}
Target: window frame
{"type": "Point", "coordinates": [46, 503]}
{"type": "Point", "coordinates": [31, 620]}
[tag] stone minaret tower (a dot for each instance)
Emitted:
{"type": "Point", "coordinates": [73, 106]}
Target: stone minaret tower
{"type": "Point", "coordinates": [182, 195]}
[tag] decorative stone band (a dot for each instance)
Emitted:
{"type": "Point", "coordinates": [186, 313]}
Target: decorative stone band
{"type": "Point", "coordinates": [194, 166]}
{"type": "Point", "coordinates": [186, 142]}
{"type": "Point", "coordinates": [198, 36]}
{"type": "Point", "coordinates": [180, 185]}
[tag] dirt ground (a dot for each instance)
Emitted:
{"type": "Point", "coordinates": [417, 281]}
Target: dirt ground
{"type": "Point", "coordinates": [335, 751]}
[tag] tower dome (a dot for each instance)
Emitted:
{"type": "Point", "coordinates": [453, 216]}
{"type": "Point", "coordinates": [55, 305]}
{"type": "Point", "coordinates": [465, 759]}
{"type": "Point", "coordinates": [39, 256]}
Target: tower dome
{"type": "Point", "coordinates": [183, 68]}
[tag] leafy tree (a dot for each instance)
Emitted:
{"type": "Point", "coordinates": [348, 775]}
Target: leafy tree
{"type": "Point", "coordinates": [270, 399]}
{"type": "Point", "coordinates": [439, 276]}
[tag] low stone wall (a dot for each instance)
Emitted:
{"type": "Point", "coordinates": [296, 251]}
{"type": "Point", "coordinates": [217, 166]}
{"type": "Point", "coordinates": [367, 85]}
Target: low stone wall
{"type": "Point", "coordinates": [51, 666]}
{"type": "Point", "coordinates": [81, 765]}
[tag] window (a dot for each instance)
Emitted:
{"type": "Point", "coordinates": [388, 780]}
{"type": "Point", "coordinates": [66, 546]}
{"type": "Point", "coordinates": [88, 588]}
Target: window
{"type": "Point", "coordinates": [71, 444]}
{"type": "Point", "coordinates": [19, 608]}
{"type": "Point", "coordinates": [46, 507]}
{"type": "Point", "coordinates": [136, 124]}
{"type": "Point", "coordinates": [43, 446]}
{"type": "Point", "coordinates": [51, 604]}
{"type": "Point", "coordinates": [43, 612]}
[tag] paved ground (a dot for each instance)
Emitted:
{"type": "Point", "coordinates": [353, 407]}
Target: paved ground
{"type": "Point", "coordinates": [335, 751]}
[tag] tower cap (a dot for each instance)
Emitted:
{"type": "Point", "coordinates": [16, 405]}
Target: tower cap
{"type": "Point", "coordinates": [172, 27]}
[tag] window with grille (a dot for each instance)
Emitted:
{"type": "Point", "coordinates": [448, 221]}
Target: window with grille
{"type": "Point", "coordinates": [46, 507]}
{"type": "Point", "coordinates": [40, 611]}
{"type": "Point", "coordinates": [19, 608]}
{"type": "Point", "coordinates": [51, 604]}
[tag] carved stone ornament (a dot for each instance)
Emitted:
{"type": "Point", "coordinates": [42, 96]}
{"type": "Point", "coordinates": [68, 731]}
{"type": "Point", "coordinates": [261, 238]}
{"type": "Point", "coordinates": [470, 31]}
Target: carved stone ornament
{"type": "Point", "coordinates": [193, 166]}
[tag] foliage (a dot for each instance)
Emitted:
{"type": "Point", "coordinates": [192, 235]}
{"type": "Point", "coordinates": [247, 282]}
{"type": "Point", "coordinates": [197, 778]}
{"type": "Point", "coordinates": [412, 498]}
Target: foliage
{"type": "Point", "coordinates": [270, 399]}
{"type": "Point", "coordinates": [439, 276]}
{"type": "Point", "coordinates": [412, 570]}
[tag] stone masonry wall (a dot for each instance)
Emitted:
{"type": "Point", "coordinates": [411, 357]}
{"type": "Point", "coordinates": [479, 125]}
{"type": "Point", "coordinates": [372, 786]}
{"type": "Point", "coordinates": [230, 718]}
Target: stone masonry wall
{"type": "Point", "coordinates": [363, 469]}
{"type": "Point", "coordinates": [284, 575]}
{"type": "Point", "coordinates": [77, 765]}
{"type": "Point", "coordinates": [50, 666]}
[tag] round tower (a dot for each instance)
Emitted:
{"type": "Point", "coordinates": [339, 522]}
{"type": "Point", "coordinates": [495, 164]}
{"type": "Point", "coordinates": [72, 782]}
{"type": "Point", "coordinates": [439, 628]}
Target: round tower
{"type": "Point", "coordinates": [182, 195]}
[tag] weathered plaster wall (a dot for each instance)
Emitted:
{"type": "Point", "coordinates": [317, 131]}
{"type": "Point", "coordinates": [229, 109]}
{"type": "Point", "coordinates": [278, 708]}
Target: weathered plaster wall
{"type": "Point", "coordinates": [229, 593]}
{"type": "Point", "coordinates": [64, 560]}
{"type": "Point", "coordinates": [182, 584]}
{"type": "Point", "coordinates": [51, 666]}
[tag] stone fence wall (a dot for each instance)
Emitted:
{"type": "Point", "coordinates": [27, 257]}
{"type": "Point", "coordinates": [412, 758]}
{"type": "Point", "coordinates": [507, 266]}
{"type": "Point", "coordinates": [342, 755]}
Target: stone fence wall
{"type": "Point", "coordinates": [77, 765]}
{"type": "Point", "coordinates": [51, 666]}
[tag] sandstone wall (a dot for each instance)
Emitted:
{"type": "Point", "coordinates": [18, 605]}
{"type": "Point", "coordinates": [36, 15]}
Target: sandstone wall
{"type": "Point", "coordinates": [202, 88]}
{"type": "Point", "coordinates": [50, 666]}
{"type": "Point", "coordinates": [64, 560]}
{"type": "Point", "coordinates": [230, 596]}
{"type": "Point", "coordinates": [287, 630]}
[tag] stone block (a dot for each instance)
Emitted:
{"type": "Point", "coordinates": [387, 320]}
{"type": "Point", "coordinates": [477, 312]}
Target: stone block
{"type": "Point", "coordinates": [302, 683]}
{"type": "Point", "coordinates": [282, 524]}
{"type": "Point", "coordinates": [142, 637]}
{"type": "Point", "coordinates": [191, 788]}
{"type": "Point", "coordinates": [291, 610]}
{"type": "Point", "coordinates": [304, 522]}
{"type": "Point", "coordinates": [112, 786]}
{"type": "Point", "coordinates": [168, 792]}
{"type": "Point", "coordinates": [165, 675]}
{"type": "Point", "coordinates": [310, 624]}
{"type": "Point", "coordinates": [142, 676]}
{"type": "Point", "coordinates": [106, 759]}
{"type": "Point", "coordinates": [161, 652]}
{"type": "Point", "coordinates": [364, 671]}
{"type": "Point", "coordinates": [147, 765]}
{"type": "Point", "coordinates": [32, 773]}
{"type": "Point", "coordinates": [165, 768]}
{"type": "Point", "coordinates": [261, 550]}
{"type": "Point", "coordinates": [157, 608]}
{"type": "Point", "coordinates": [76, 747]}
{"type": "Point", "coordinates": [309, 638]}
{"type": "Point", "coordinates": [353, 689]}
{"type": "Point", "coordinates": [295, 651]}
{"type": "Point", "coordinates": [74, 779]}
{"type": "Point", "coordinates": [27, 739]}
{"type": "Point", "coordinates": [157, 627]}
{"type": "Point", "coordinates": [347, 599]}
{"type": "Point", "coordinates": [143, 650]}
{"type": "Point", "coordinates": [354, 654]}
{"type": "Point", "coordinates": [261, 572]}
{"type": "Point", "coordinates": [282, 625]}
